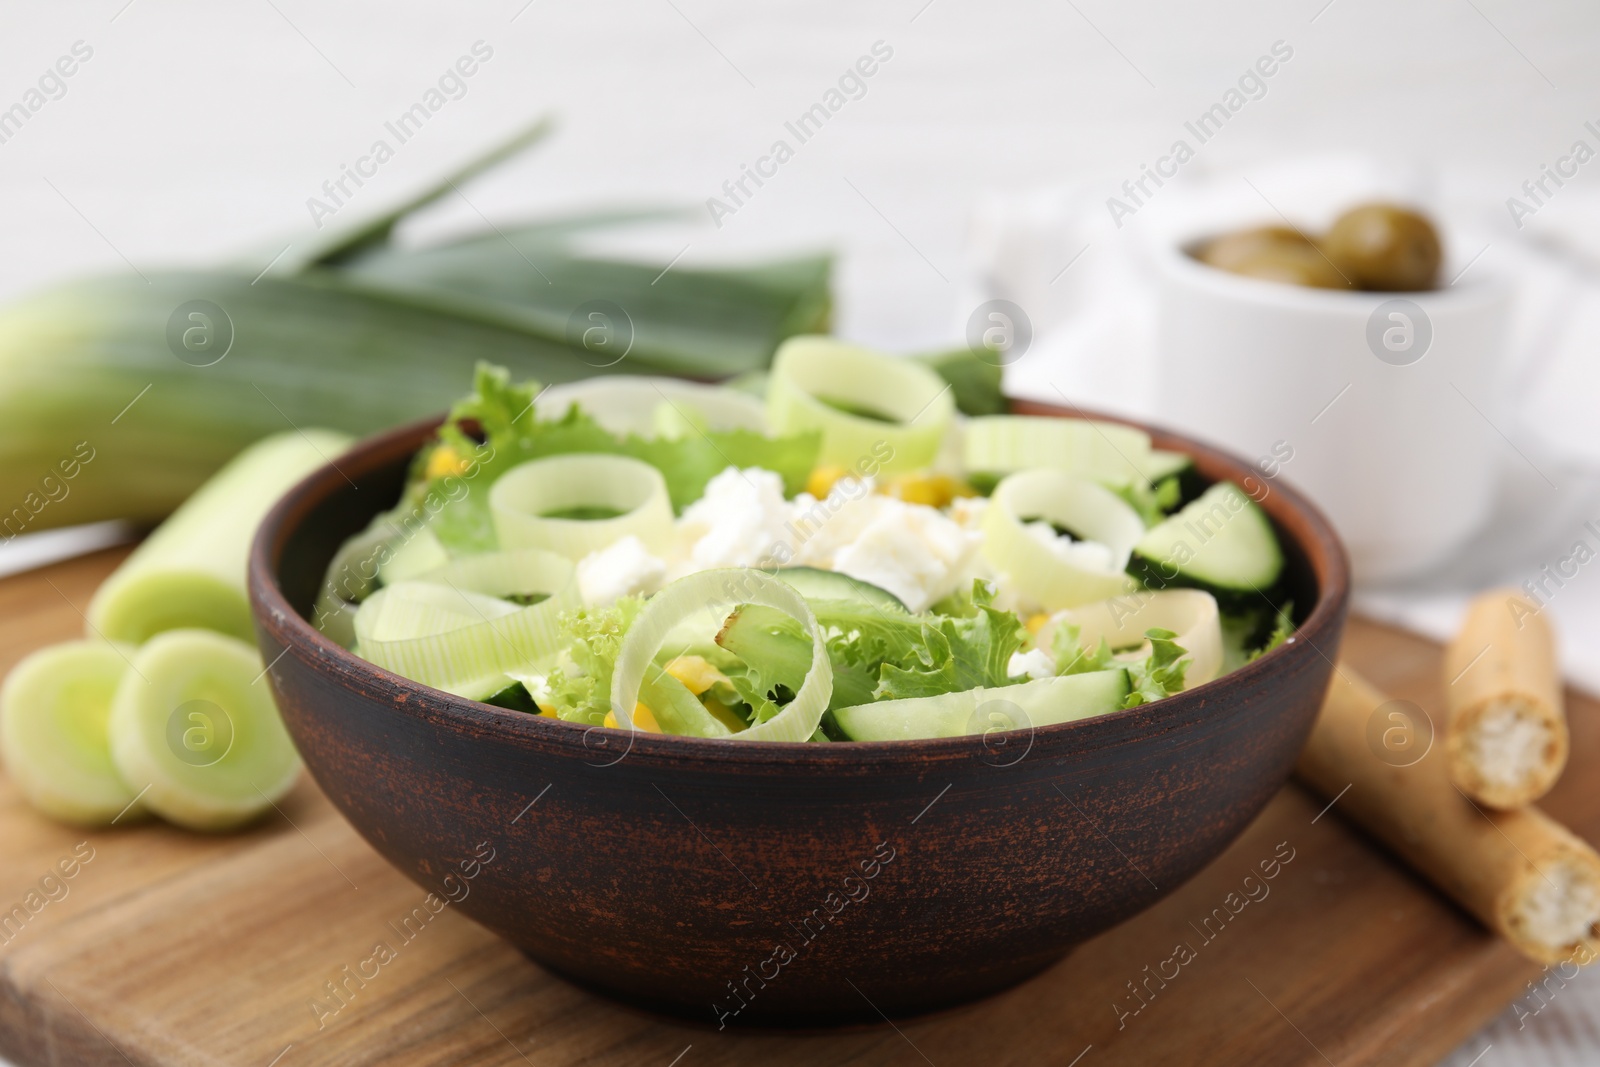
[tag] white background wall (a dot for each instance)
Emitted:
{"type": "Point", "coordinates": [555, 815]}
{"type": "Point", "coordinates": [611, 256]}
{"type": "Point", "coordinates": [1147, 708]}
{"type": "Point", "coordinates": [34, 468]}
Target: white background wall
{"type": "Point", "coordinates": [200, 128]}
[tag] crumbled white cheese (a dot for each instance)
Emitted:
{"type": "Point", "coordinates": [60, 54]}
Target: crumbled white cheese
{"type": "Point", "coordinates": [912, 550]}
{"type": "Point", "coordinates": [1035, 663]}
{"type": "Point", "coordinates": [740, 522]}
{"type": "Point", "coordinates": [968, 512]}
{"type": "Point", "coordinates": [623, 568]}
{"type": "Point", "coordinates": [820, 528]}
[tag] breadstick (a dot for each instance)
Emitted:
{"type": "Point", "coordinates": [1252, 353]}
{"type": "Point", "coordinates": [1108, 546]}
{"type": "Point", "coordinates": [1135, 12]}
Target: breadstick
{"type": "Point", "coordinates": [1523, 875]}
{"type": "Point", "coordinates": [1506, 734]}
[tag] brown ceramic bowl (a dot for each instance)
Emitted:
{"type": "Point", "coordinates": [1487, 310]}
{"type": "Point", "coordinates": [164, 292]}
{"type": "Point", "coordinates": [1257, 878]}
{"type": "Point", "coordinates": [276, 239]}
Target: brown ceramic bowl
{"type": "Point", "coordinates": [783, 884]}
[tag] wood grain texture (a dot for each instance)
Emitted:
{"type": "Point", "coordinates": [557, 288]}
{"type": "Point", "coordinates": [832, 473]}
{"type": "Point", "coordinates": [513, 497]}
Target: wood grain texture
{"type": "Point", "coordinates": [172, 948]}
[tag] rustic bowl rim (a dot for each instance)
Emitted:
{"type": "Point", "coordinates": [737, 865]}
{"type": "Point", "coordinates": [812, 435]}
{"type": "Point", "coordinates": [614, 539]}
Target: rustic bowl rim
{"type": "Point", "coordinates": [1316, 540]}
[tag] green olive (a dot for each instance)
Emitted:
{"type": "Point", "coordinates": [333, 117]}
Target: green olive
{"type": "Point", "coordinates": [1231, 249]}
{"type": "Point", "coordinates": [1385, 248]}
{"type": "Point", "coordinates": [1292, 264]}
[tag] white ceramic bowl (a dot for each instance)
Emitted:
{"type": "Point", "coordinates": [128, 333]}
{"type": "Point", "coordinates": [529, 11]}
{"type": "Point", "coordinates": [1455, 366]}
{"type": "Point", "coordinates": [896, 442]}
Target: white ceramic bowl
{"type": "Point", "coordinates": [1381, 406]}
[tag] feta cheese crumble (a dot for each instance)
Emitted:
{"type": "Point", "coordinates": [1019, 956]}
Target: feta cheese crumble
{"type": "Point", "coordinates": [912, 550]}
{"type": "Point", "coordinates": [739, 522]}
{"type": "Point", "coordinates": [623, 568]}
{"type": "Point", "coordinates": [1035, 663]}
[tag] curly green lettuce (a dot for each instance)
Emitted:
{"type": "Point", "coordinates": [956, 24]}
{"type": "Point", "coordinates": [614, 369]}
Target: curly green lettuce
{"type": "Point", "coordinates": [875, 655]}
{"type": "Point", "coordinates": [580, 684]}
{"type": "Point", "coordinates": [497, 428]}
{"type": "Point", "coordinates": [1152, 677]}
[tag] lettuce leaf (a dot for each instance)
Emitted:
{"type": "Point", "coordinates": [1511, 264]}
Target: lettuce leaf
{"type": "Point", "coordinates": [1073, 658]}
{"type": "Point", "coordinates": [875, 655]}
{"type": "Point", "coordinates": [773, 656]}
{"type": "Point", "coordinates": [1157, 675]}
{"type": "Point", "coordinates": [496, 429]}
{"type": "Point", "coordinates": [1152, 502]}
{"type": "Point", "coordinates": [1251, 632]}
{"type": "Point", "coordinates": [1160, 674]}
{"type": "Point", "coordinates": [953, 654]}
{"type": "Point", "coordinates": [580, 685]}
{"type": "Point", "coordinates": [1282, 629]}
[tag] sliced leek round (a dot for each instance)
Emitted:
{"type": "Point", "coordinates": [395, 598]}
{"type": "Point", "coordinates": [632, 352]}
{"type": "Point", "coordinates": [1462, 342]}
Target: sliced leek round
{"type": "Point", "coordinates": [1103, 451]}
{"type": "Point", "coordinates": [1057, 575]}
{"type": "Point", "coordinates": [655, 407]}
{"type": "Point", "coordinates": [628, 496]}
{"type": "Point", "coordinates": [453, 629]}
{"type": "Point", "coordinates": [876, 413]}
{"type": "Point", "coordinates": [711, 595]}
{"type": "Point", "coordinates": [351, 576]}
{"type": "Point", "coordinates": [1122, 621]}
{"type": "Point", "coordinates": [55, 712]}
{"type": "Point", "coordinates": [410, 557]}
{"type": "Point", "coordinates": [193, 728]}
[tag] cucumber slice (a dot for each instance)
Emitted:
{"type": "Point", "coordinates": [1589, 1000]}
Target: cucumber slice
{"type": "Point", "coordinates": [976, 711]}
{"type": "Point", "coordinates": [1222, 543]}
{"type": "Point", "coordinates": [816, 584]}
{"type": "Point", "coordinates": [194, 721]}
{"type": "Point", "coordinates": [54, 714]}
{"type": "Point", "coordinates": [762, 637]}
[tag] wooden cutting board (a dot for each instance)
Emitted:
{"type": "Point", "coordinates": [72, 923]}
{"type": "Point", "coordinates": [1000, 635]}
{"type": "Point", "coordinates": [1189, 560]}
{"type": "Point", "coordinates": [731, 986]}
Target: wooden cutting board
{"type": "Point", "coordinates": [171, 948]}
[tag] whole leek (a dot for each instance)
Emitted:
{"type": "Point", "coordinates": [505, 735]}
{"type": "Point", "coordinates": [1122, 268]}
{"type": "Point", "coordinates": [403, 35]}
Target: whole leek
{"type": "Point", "coordinates": [160, 378]}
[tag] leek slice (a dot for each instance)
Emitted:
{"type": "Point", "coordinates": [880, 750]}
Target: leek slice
{"type": "Point", "coordinates": [814, 377]}
{"type": "Point", "coordinates": [421, 553]}
{"type": "Point", "coordinates": [665, 407]}
{"type": "Point", "coordinates": [1121, 622]}
{"type": "Point", "coordinates": [1103, 451]}
{"type": "Point", "coordinates": [193, 726]}
{"type": "Point", "coordinates": [522, 499]}
{"type": "Point", "coordinates": [451, 628]}
{"type": "Point", "coordinates": [412, 609]}
{"type": "Point", "coordinates": [1091, 511]}
{"type": "Point", "coordinates": [191, 571]}
{"type": "Point", "coordinates": [715, 593]}
{"type": "Point", "coordinates": [677, 710]}
{"type": "Point", "coordinates": [54, 714]}
{"type": "Point", "coordinates": [352, 575]}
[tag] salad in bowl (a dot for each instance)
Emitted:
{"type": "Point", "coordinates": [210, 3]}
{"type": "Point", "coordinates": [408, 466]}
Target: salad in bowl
{"type": "Point", "coordinates": [830, 553]}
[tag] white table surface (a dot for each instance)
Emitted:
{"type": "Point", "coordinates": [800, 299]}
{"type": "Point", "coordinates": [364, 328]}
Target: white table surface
{"type": "Point", "coordinates": [198, 130]}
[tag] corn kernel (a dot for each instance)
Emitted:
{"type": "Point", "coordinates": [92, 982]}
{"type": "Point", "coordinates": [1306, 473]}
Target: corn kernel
{"type": "Point", "coordinates": [1036, 623]}
{"type": "Point", "coordinates": [926, 487]}
{"type": "Point", "coordinates": [643, 718]}
{"type": "Point", "coordinates": [444, 462]}
{"type": "Point", "coordinates": [822, 479]}
{"type": "Point", "coordinates": [696, 674]}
